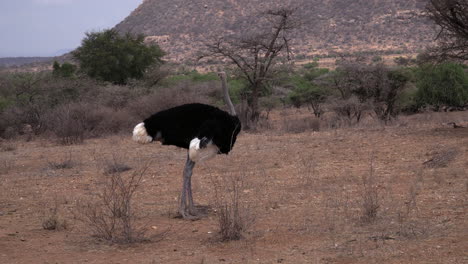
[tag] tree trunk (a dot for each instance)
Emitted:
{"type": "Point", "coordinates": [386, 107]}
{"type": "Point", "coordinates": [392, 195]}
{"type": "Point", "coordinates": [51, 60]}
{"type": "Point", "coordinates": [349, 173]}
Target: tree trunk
{"type": "Point", "coordinates": [254, 113]}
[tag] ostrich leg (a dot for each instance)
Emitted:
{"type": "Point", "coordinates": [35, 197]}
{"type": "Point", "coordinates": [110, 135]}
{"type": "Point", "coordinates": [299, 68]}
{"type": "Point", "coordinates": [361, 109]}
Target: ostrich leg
{"type": "Point", "coordinates": [187, 192]}
{"type": "Point", "coordinates": [191, 206]}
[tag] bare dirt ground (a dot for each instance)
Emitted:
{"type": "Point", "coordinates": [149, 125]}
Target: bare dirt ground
{"type": "Point", "coordinates": [305, 190]}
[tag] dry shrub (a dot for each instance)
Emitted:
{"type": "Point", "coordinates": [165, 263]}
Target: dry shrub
{"type": "Point", "coordinates": [8, 126]}
{"type": "Point", "coordinates": [350, 110]}
{"type": "Point", "coordinates": [370, 195]}
{"type": "Point", "coordinates": [409, 226]}
{"type": "Point", "coordinates": [156, 74]}
{"type": "Point", "coordinates": [9, 132]}
{"type": "Point", "coordinates": [243, 111]}
{"type": "Point", "coordinates": [114, 96]}
{"type": "Point", "coordinates": [301, 125]}
{"type": "Point", "coordinates": [5, 147]}
{"type": "Point", "coordinates": [72, 123]}
{"type": "Point", "coordinates": [269, 103]}
{"type": "Point", "coordinates": [68, 123]}
{"type": "Point", "coordinates": [165, 98]}
{"type": "Point", "coordinates": [13, 119]}
{"type": "Point", "coordinates": [112, 215]}
{"type": "Point", "coordinates": [114, 121]}
{"type": "Point", "coordinates": [261, 125]}
{"type": "Point", "coordinates": [233, 215]}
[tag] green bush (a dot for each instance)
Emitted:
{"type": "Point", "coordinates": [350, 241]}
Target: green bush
{"type": "Point", "coordinates": [312, 71]}
{"type": "Point", "coordinates": [442, 85]}
{"type": "Point", "coordinates": [204, 77]}
{"type": "Point", "coordinates": [115, 58]}
{"type": "Point", "coordinates": [237, 88]}
{"type": "Point", "coordinates": [194, 76]}
{"type": "Point", "coordinates": [311, 65]}
{"type": "Point", "coordinates": [65, 70]}
{"type": "Point", "coordinates": [175, 79]}
{"type": "Point", "coordinates": [315, 73]}
{"type": "Point", "coordinates": [306, 93]}
{"type": "Point", "coordinates": [4, 103]}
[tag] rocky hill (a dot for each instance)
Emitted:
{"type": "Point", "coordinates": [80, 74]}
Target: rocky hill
{"type": "Point", "coordinates": [383, 26]}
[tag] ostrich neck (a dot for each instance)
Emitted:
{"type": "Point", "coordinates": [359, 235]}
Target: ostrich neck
{"type": "Point", "coordinates": [227, 98]}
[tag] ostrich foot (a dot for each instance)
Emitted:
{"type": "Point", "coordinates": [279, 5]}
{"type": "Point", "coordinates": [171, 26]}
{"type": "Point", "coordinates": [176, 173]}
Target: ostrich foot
{"type": "Point", "coordinates": [193, 213]}
{"type": "Point", "coordinates": [187, 215]}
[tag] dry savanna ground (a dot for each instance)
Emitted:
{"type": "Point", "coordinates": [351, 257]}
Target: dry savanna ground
{"type": "Point", "coordinates": [366, 194]}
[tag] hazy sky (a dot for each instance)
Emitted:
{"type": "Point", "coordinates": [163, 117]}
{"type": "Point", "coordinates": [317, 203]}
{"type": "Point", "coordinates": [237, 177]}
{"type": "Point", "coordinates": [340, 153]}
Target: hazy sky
{"type": "Point", "coordinates": [48, 27]}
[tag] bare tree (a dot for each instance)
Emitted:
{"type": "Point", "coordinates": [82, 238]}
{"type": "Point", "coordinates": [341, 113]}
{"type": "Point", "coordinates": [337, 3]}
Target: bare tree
{"type": "Point", "coordinates": [452, 18]}
{"type": "Point", "coordinates": [255, 54]}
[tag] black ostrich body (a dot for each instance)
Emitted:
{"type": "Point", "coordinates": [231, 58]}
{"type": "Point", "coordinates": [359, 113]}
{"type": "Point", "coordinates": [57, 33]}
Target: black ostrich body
{"type": "Point", "coordinates": [178, 126]}
{"type": "Point", "coordinates": [202, 129]}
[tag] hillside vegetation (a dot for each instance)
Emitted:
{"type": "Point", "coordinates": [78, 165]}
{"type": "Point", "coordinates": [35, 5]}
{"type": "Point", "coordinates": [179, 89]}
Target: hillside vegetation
{"type": "Point", "coordinates": [181, 27]}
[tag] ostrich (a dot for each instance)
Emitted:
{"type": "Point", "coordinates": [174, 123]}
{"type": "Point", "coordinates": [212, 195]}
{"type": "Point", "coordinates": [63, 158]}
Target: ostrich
{"type": "Point", "coordinates": [202, 129]}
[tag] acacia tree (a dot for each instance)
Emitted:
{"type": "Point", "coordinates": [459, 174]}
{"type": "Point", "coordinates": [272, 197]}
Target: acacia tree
{"type": "Point", "coordinates": [452, 18]}
{"type": "Point", "coordinates": [255, 54]}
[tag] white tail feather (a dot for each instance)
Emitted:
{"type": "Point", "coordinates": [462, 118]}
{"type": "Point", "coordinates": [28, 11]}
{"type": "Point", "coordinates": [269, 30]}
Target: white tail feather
{"type": "Point", "coordinates": [140, 134]}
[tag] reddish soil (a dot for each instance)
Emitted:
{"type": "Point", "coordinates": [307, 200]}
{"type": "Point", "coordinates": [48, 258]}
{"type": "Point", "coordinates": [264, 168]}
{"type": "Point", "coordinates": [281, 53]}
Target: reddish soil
{"type": "Point", "coordinates": [304, 190]}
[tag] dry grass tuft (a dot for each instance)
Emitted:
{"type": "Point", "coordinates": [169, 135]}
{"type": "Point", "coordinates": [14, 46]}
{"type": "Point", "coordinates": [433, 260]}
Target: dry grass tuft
{"type": "Point", "coordinates": [54, 220]}
{"type": "Point", "coordinates": [308, 171]}
{"type": "Point", "coordinates": [441, 158]}
{"type": "Point", "coordinates": [233, 215]}
{"type": "Point", "coordinates": [113, 165]}
{"type": "Point", "coordinates": [408, 224]}
{"type": "Point", "coordinates": [6, 164]}
{"type": "Point", "coordinates": [66, 163]}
